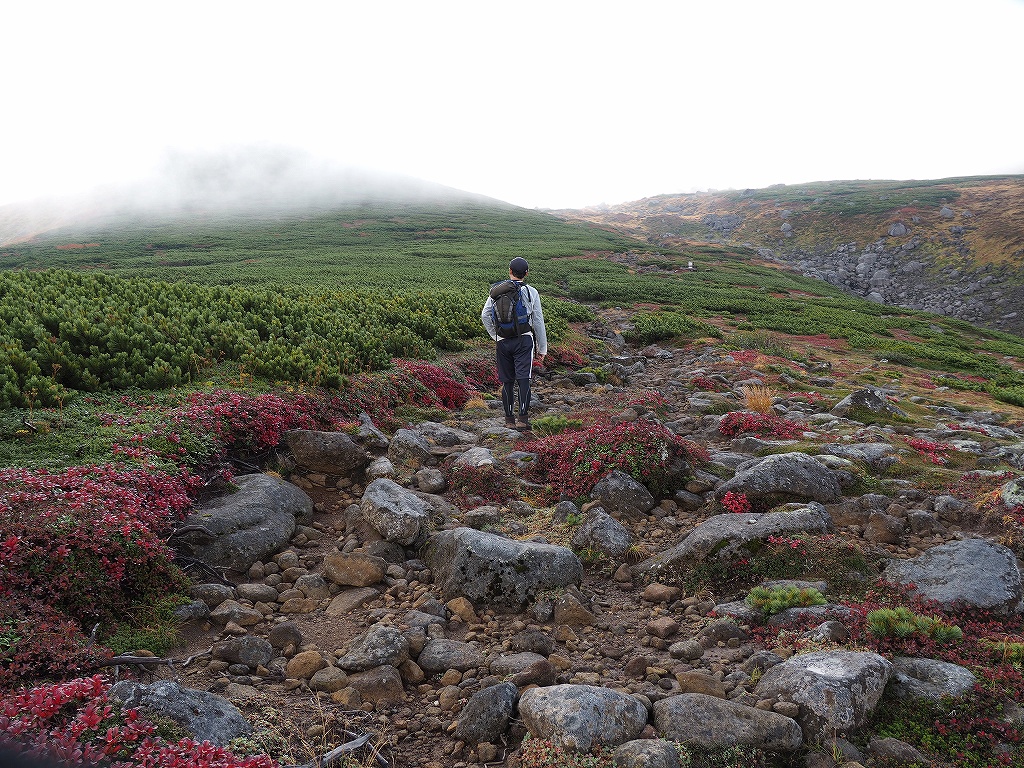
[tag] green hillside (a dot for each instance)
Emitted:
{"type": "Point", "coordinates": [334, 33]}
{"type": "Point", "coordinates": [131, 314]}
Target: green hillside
{"type": "Point", "coordinates": [317, 296]}
{"type": "Point", "coordinates": [389, 245]}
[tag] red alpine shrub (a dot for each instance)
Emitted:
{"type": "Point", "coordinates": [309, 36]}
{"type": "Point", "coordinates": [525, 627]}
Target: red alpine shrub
{"type": "Point", "coordinates": [573, 461]}
{"type": "Point", "coordinates": [760, 424]}
{"type": "Point", "coordinates": [75, 723]}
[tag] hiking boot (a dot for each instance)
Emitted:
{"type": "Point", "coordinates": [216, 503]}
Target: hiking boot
{"type": "Point", "coordinates": [510, 422]}
{"type": "Point", "coordinates": [524, 426]}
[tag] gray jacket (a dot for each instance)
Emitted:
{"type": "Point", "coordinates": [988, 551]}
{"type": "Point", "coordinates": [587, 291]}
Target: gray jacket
{"type": "Point", "coordinates": [532, 301]}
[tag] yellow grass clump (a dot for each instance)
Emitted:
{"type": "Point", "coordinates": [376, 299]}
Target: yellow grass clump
{"type": "Point", "coordinates": [757, 398]}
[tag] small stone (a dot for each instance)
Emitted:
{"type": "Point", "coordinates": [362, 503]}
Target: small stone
{"type": "Point", "coordinates": [304, 665]}
{"type": "Point", "coordinates": [464, 609]}
{"type": "Point", "coordinates": [660, 593]}
{"type": "Point", "coordinates": [451, 677]}
{"type": "Point", "coordinates": [663, 627]}
{"type": "Point", "coordinates": [348, 698]}
{"type": "Point", "coordinates": [449, 697]}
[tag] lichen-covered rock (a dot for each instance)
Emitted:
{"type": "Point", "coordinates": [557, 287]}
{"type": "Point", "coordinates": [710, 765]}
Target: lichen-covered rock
{"type": "Point", "coordinates": [248, 649]}
{"type": "Point", "coordinates": [580, 717]}
{"type": "Point", "coordinates": [394, 512]}
{"type": "Point", "coordinates": [205, 715]}
{"type": "Point", "coordinates": [784, 477]}
{"type": "Point", "coordinates": [929, 679]}
{"type": "Point", "coordinates": [380, 645]}
{"type": "Point", "coordinates": [869, 399]}
{"type": "Point", "coordinates": [622, 496]}
{"type": "Point", "coordinates": [493, 570]}
{"type": "Point", "coordinates": [978, 572]}
{"type": "Point", "coordinates": [837, 690]}
{"type": "Point", "coordinates": [602, 532]}
{"type": "Point", "coordinates": [647, 753]}
{"type": "Point", "coordinates": [408, 450]}
{"type": "Point", "coordinates": [710, 721]}
{"type": "Point", "coordinates": [725, 536]}
{"type": "Point", "coordinates": [249, 525]}
{"type": "Point", "coordinates": [333, 453]}
{"type": "Point", "coordinates": [487, 714]}
{"type": "Point", "coordinates": [441, 655]}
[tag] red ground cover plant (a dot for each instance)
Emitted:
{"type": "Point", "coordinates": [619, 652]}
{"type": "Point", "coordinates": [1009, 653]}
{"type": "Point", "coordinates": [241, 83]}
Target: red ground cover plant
{"type": "Point", "coordinates": [573, 461]}
{"type": "Point", "coordinates": [75, 723]}
{"type": "Point", "coordinates": [410, 382]}
{"type": "Point", "coordinates": [564, 355]}
{"type": "Point", "coordinates": [706, 384]}
{"type": "Point", "coordinates": [967, 428]}
{"type": "Point", "coordinates": [737, 503]}
{"type": "Point", "coordinates": [932, 451]}
{"type": "Point", "coordinates": [480, 374]}
{"type": "Point", "coordinates": [87, 542]}
{"type": "Point", "coordinates": [760, 424]}
{"type": "Point", "coordinates": [487, 482]}
{"type": "Point", "coordinates": [972, 730]}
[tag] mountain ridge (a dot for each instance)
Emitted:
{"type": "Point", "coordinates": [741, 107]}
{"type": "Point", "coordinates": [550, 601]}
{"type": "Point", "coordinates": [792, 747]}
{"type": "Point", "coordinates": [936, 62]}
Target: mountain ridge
{"type": "Point", "coordinates": [948, 246]}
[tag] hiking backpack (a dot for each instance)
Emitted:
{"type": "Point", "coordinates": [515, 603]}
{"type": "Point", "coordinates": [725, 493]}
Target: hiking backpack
{"type": "Point", "coordinates": [510, 313]}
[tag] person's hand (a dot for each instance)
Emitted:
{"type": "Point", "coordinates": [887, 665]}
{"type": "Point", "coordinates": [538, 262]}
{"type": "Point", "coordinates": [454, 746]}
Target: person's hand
{"type": "Point", "coordinates": [540, 359]}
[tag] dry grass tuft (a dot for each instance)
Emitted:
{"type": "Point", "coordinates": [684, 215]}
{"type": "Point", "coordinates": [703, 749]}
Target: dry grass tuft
{"type": "Point", "coordinates": [758, 398]}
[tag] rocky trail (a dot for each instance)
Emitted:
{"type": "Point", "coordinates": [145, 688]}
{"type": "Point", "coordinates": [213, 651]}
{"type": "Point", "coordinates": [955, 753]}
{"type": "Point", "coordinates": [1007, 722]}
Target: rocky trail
{"type": "Point", "coordinates": [367, 603]}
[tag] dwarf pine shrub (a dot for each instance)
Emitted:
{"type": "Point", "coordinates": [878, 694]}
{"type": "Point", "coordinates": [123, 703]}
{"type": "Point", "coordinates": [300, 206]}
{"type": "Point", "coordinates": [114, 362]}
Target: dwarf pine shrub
{"type": "Point", "coordinates": [772, 600]}
{"type": "Point", "coordinates": [903, 623]}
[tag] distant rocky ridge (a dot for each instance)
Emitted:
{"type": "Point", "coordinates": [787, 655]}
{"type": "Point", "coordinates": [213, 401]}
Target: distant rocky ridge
{"type": "Point", "coordinates": [953, 247]}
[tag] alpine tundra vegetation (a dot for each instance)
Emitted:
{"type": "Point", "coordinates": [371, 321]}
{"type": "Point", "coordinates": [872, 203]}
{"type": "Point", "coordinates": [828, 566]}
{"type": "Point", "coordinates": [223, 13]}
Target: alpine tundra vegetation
{"type": "Point", "coordinates": [259, 505]}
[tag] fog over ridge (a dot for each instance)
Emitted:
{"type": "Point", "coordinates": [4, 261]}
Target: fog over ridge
{"type": "Point", "coordinates": [236, 180]}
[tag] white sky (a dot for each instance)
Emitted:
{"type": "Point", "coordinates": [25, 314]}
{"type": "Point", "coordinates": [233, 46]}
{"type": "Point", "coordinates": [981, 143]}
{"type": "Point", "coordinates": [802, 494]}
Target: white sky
{"type": "Point", "coordinates": [552, 104]}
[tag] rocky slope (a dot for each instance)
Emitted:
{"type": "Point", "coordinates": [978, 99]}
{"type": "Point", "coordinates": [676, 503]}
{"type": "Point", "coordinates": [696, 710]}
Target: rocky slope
{"type": "Point", "coordinates": [446, 629]}
{"type": "Point", "coordinates": [953, 247]}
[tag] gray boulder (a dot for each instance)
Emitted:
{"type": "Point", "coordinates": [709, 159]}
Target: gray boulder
{"type": "Point", "coordinates": [408, 449]}
{"type": "Point", "coordinates": [837, 690]}
{"type": "Point", "coordinates": [978, 572]}
{"type": "Point", "coordinates": [786, 477]}
{"type": "Point", "coordinates": [728, 535]}
{"type": "Point", "coordinates": [602, 532]}
{"type": "Point", "coordinates": [371, 438]}
{"type": "Point", "coordinates": [441, 655]}
{"type": "Point", "coordinates": [333, 453]}
{"type": "Point", "coordinates": [876, 455]}
{"type": "Point", "coordinates": [708, 721]}
{"type": "Point", "coordinates": [476, 457]}
{"type": "Point", "coordinates": [512, 664]}
{"type": "Point", "coordinates": [442, 435]}
{"type": "Point", "coordinates": [870, 399]}
{"type": "Point", "coordinates": [248, 649]}
{"type": "Point", "coordinates": [431, 480]}
{"type": "Point", "coordinates": [623, 496]}
{"type": "Point", "coordinates": [206, 716]}
{"type": "Point", "coordinates": [487, 714]}
{"type": "Point", "coordinates": [379, 646]}
{"type": "Point", "coordinates": [381, 467]}
{"type": "Point", "coordinates": [493, 570]}
{"type": "Point", "coordinates": [915, 678]}
{"type": "Point", "coordinates": [580, 717]}
{"type": "Point", "coordinates": [1012, 493]}
{"type": "Point", "coordinates": [396, 513]}
{"type": "Point", "coordinates": [247, 526]}
{"type": "Point", "coordinates": [646, 753]}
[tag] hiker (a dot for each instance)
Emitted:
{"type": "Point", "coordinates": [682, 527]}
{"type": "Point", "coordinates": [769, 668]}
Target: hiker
{"type": "Point", "coordinates": [514, 319]}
